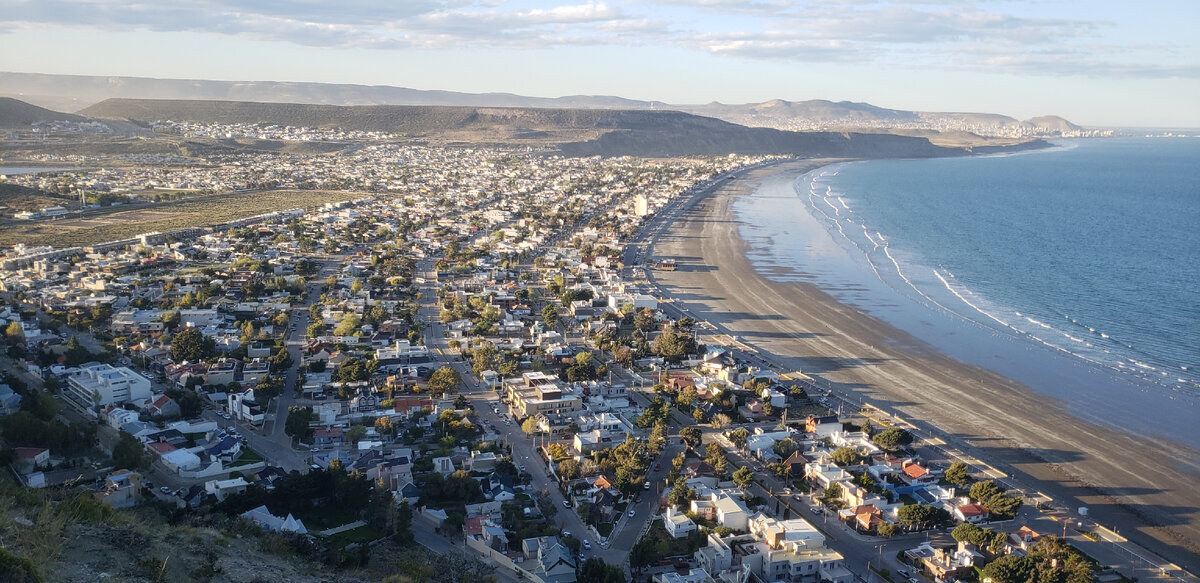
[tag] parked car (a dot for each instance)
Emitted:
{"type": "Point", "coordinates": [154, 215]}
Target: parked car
{"type": "Point", "coordinates": [587, 544]}
{"type": "Point", "coordinates": [646, 486]}
{"type": "Point", "coordinates": [164, 490]}
{"type": "Point", "coordinates": [631, 514]}
{"type": "Point", "coordinates": [566, 503]}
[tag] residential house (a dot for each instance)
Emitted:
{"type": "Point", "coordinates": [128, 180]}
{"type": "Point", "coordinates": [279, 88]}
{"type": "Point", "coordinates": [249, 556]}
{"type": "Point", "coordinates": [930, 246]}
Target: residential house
{"type": "Point", "coordinates": [678, 525]}
{"type": "Point", "coordinates": [122, 489]}
{"type": "Point", "coordinates": [222, 489]}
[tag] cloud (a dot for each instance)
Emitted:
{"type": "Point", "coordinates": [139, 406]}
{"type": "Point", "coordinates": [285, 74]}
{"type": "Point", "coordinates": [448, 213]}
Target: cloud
{"type": "Point", "coordinates": [1000, 37]}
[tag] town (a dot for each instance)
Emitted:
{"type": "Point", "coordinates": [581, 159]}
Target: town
{"type": "Point", "coordinates": [470, 353]}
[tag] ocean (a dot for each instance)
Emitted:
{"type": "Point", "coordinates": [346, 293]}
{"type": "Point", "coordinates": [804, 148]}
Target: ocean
{"type": "Point", "coordinates": [1075, 269]}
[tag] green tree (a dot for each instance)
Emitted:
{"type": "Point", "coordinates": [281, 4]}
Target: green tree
{"type": "Point", "coordinates": [958, 474]}
{"type": "Point", "coordinates": [529, 426]}
{"type": "Point", "coordinates": [919, 515]}
{"type": "Point", "coordinates": [892, 437]}
{"type": "Point", "coordinates": [868, 428]}
{"type": "Point", "coordinates": [192, 346]}
{"type": "Point", "coordinates": [355, 434]}
{"type": "Point", "coordinates": [984, 490]}
{"type": "Point", "coordinates": [1009, 569]}
{"type": "Point", "coordinates": [129, 453]}
{"type": "Point", "coordinates": [691, 436]}
{"type": "Point", "coordinates": [1002, 506]}
{"type": "Point", "coordinates": [832, 493]}
{"type": "Point", "coordinates": [444, 380]}
{"type": "Point", "coordinates": [845, 456]}
{"type": "Point", "coordinates": [298, 421]}
{"type": "Point", "coordinates": [887, 529]}
{"type": "Point", "coordinates": [658, 437]}
{"type": "Point", "coordinates": [550, 315]}
{"type": "Point", "coordinates": [743, 477]}
{"type": "Point", "coordinates": [568, 469]}
{"type": "Point", "coordinates": [738, 437]}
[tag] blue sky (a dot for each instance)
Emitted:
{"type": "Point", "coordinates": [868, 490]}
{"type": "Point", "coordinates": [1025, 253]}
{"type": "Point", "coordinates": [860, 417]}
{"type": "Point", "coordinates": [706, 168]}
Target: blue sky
{"type": "Point", "coordinates": [1105, 63]}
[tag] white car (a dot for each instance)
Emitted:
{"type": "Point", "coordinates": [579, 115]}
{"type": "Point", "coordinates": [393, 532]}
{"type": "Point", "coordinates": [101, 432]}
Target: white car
{"type": "Point", "coordinates": [631, 515]}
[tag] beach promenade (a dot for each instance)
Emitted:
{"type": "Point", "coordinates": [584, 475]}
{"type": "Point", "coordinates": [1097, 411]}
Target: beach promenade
{"type": "Point", "coordinates": [1145, 489]}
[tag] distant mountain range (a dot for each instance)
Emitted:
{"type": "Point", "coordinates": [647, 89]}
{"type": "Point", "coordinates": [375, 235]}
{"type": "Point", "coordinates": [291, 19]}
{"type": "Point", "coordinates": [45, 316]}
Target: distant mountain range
{"type": "Point", "coordinates": [77, 92]}
{"type": "Point", "coordinates": [578, 132]}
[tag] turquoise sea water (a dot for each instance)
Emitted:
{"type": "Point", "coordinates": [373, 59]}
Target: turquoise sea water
{"type": "Point", "coordinates": [1075, 270]}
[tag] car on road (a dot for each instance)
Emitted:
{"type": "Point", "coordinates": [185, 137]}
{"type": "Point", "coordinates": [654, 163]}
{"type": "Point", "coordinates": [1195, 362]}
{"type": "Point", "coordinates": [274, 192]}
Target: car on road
{"type": "Point", "coordinates": [164, 490]}
{"type": "Point", "coordinates": [913, 580]}
{"type": "Point", "coordinates": [902, 572]}
{"type": "Point", "coordinates": [657, 467]}
{"type": "Point", "coordinates": [566, 503]}
{"type": "Point", "coordinates": [816, 509]}
{"type": "Point", "coordinates": [646, 486]}
{"type": "Point", "coordinates": [315, 450]}
{"type": "Point", "coordinates": [566, 533]}
{"type": "Point", "coordinates": [522, 468]}
{"type": "Point", "coordinates": [631, 514]}
{"type": "Point", "coordinates": [587, 544]}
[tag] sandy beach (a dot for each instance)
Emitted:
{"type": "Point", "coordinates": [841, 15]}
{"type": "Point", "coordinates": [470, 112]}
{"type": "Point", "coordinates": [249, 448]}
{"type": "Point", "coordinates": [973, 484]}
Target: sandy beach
{"type": "Point", "coordinates": [1138, 485]}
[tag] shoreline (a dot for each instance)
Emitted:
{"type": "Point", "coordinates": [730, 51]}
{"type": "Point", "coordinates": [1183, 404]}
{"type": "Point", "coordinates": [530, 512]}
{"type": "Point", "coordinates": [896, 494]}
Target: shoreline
{"type": "Point", "coordinates": [1146, 488]}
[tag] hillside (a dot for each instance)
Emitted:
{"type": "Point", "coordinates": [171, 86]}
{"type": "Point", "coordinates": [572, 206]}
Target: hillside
{"type": "Point", "coordinates": [19, 114]}
{"type": "Point", "coordinates": [581, 132]}
{"type": "Point", "coordinates": [75, 92]}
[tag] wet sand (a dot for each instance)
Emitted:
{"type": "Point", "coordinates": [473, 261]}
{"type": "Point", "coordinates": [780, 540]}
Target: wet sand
{"type": "Point", "coordinates": [1133, 483]}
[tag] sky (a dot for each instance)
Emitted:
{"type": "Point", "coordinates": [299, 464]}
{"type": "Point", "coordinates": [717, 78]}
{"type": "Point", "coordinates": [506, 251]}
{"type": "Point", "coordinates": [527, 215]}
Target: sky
{"type": "Point", "coordinates": [1105, 63]}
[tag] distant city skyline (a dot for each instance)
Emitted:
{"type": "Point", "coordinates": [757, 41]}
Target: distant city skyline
{"type": "Point", "coordinates": [1094, 63]}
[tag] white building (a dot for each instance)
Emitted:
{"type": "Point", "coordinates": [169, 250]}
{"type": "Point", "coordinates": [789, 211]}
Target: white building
{"type": "Point", "coordinates": [102, 384]}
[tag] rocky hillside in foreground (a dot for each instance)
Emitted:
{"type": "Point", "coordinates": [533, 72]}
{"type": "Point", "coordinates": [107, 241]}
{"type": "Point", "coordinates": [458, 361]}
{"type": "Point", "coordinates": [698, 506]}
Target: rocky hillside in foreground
{"type": "Point", "coordinates": [579, 132]}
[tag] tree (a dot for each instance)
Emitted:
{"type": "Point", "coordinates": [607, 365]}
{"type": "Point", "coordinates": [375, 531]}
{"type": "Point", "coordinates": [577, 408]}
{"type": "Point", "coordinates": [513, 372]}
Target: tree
{"type": "Point", "coordinates": [887, 529]}
{"type": "Point", "coordinates": [297, 423]}
{"type": "Point", "coordinates": [743, 477]}
{"type": "Point", "coordinates": [892, 437]}
{"type": "Point", "coordinates": [658, 437]}
{"type": "Point", "coordinates": [845, 456]}
{"type": "Point", "coordinates": [920, 514]}
{"type": "Point", "coordinates": [385, 426]}
{"type": "Point", "coordinates": [673, 346]}
{"type": "Point", "coordinates": [595, 570]}
{"type": "Point", "coordinates": [1002, 506]}
{"type": "Point", "coordinates": [738, 437]}
{"type": "Point", "coordinates": [690, 436]}
{"type": "Point", "coordinates": [444, 380]}
{"type": "Point", "coordinates": [129, 453]}
{"type": "Point", "coordinates": [643, 553]}
{"type": "Point", "coordinates": [529, 426]}
{"type": "Point", "coordinates": [568, 469]}
{"type": "Point", "coordinates": [984, 490]}
{"type": "Point", "coordinates": [957, 474]}
{"type": "Point", "coordinates": [868, 428]}
{"type": "Point", "coordinates": [192, 346]}
{"type": "Point", "coordinates": [721, 420]}
{"type": "Point", "coordinates": [14, 333]}
{"type": "Point", "coordinates": [550, 315]}
{"type": "Point", "coordinates": [404, 516]}
{"type": "Point", "coordinates": [1009, 569]}
{"type": "Point", "coordinates": [832, 492]}
{"type": "Point", "coordinates": [355, 434]}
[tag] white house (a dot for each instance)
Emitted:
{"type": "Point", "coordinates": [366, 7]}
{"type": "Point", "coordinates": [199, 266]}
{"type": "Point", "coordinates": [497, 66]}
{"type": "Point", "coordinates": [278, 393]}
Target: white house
{"type": "Point", "coordinates": [677, 525]}
{"type": "Point", "coordinates": [102, 384]}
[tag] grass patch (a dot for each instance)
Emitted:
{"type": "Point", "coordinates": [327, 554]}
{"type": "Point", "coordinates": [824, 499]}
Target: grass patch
{"type": "Point", "coordinates": [124, 222]}
{"type": "Point", "coordinates": [361, 535]}
{"type": "Point", "coordinates": [249, 456]}
{"type": "Point", "coordinates": [325, 517]}
{"type": "Point", "coordinates": [604, 529]}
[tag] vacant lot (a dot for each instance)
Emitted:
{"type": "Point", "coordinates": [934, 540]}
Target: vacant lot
{"type": "Point", "coordinates": [119, 223]}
